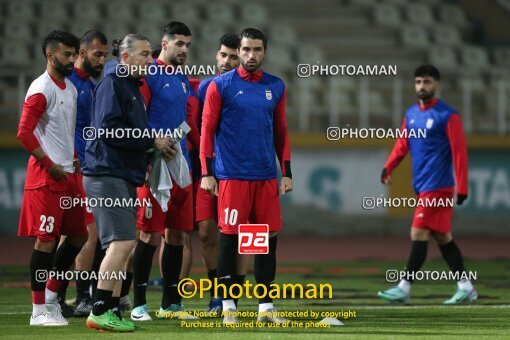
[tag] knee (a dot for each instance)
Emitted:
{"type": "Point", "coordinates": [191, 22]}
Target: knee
{"type": "Point", "coordinates": [176, 237]}
{"type": "Point", "coordinates": [77, 241]}
{"type": "Point", "coordinates": [151, 238]}
{"type": "Point", "coordinates": [205, 237]}
{"type": "Point", "coordinates": [45, 246]}
{"type": "Point", "coordinates": [208, 233]}
{"type": "Point", "coordinates": [442, 238]}
{"type": "Point", "coordinates": [419, 234]}
{"type": "Point", "coordinates": [123, 248]}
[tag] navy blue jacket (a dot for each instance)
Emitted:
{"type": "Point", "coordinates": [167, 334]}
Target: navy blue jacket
{"type": "Point", "coordinates": [110, 67]}
{"type": "Point", "coordinates": [118, 104]}
{"type": "Point", "coordinates": [85, 89]}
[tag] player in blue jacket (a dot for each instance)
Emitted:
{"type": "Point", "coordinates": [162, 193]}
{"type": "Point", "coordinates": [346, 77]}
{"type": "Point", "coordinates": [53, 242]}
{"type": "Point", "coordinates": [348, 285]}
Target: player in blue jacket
{"type": "Point", "coordinates": [244, 124]}
{"type": "Point", "coordinates": [439, 169]}
{"type": "Point", "coordinates": [206, 205]}
{"type": "Point", "coordinates": [166, 94]}
{"type": "Point", "coordinates": [89, 64]}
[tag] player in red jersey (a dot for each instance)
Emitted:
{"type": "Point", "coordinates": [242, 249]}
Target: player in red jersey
{"type": "Point", "coordinates": [46, 130]}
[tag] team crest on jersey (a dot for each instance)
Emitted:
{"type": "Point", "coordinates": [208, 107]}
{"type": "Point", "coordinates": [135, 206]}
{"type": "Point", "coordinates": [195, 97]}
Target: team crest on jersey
{"type": "Point", "coordinates": [269, 95]}
{"type": "Point", "coordinates": [430, 122]}
{"type": "Point", "coordinates": [184, 87]}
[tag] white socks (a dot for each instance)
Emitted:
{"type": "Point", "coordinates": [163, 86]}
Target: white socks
{"type": "Point", "coordinates": [264, 307]}
{"type": "Point", "coordinates": [405, 286]}
{"type": "Point", "coordinates": [229, 304]}
{"type": "Point", "coordinates": [38, 309]}
{"type": "Point", "coordinates": [465, 285]}
{"type": "Point", "coordinates": [51, 297]}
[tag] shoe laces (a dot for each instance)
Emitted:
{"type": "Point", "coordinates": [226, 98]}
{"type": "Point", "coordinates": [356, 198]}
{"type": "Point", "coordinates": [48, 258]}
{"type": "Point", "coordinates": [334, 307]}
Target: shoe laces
{"type": "Point", "coordinates": [58, 309]}
{"type": "Point", "coordinates": [178, 307]}
{"type": "Point", "coordinates": [50, 317]}
{"type": "Point", "coordinates": [113, 318]}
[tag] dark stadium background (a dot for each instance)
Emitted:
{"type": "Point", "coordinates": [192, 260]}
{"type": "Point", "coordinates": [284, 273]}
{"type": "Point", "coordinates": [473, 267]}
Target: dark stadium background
{"type": "Point", "coordinates": [467, 40]}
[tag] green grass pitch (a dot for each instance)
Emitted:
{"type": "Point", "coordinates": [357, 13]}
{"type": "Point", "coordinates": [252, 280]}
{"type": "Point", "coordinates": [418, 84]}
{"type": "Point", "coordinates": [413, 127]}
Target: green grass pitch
{"type": "Point", "coordinates": [354, 288]}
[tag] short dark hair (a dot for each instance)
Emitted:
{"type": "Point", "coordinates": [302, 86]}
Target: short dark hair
{"type": "Point", "coordinates": [156, 51]}
{"type": "Point", "coordinates": [230, 40]}
{"type": "Point", "coordinates": [427, 70]}
{"type": "Point", "coordinates": [115, 47]}
{"type": "Point", "coordinates": [88, 37]}
{"type": "Point", "coordinates": [253, 33]}
{"type": "Point", "coordinates": [176, 27]}
{"type": "Point", "coordinates": [56, 37]}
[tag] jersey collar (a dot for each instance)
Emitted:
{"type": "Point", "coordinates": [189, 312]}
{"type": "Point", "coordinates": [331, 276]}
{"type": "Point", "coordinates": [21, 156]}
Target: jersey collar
{"type": "Point", "coordinates": [82, 74]}
{"type": "Point", "coordinates": [61, 85]}
{"type": "Point", "coordinates": [249, 76]}
{"type": "Point", "coordinates": [159, 62]}
{"type": "Point", "coordinates": [428, 105]}
{"type": "Point", "coordinates": [166, 66]}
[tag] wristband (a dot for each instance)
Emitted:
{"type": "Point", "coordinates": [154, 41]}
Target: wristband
{"type": "Point", "coordinates": [208, 165]}
{"type": "Point", "coordinates": [288, 172]}
{"type": "Point", "coordinates": [384, 175]}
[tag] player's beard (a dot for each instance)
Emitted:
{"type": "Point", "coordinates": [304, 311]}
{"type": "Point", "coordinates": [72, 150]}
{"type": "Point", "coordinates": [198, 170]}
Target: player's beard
{"type": "Point", "coordinates": [63, 69]}
{"type": "Point", "coordinates": [252, 67]}
{"type": "Point", "coordinates": [426, 96]}
{"type": "Point", "coordinates": [176, 62]}
{"type": "Point", "coordinates": [94, 72]}
{"type": "Point", "coordinates": [225, 68]}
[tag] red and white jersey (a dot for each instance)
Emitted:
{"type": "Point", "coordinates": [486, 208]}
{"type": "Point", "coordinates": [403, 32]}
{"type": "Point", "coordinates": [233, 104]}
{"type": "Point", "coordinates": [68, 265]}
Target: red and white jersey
{"type": "Point", "coordinates": [48, 121]}
{"type": "Point", "coordinates": [55, 129]}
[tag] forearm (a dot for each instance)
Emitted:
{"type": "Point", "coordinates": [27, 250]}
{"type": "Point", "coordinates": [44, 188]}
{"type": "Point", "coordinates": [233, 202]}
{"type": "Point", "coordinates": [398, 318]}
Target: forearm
{"type": "Point", "coordinates": [210, 119]}
{"type": "Point", "coordinates": [206, 149]}
{"type": "Point", "coordinates": [192, 114]}
{"type": "Point", "coordinates": [458, 147]}
{"type": "Point", "coordinates": [282, 148]}
{"type": "Point", "coordinates": [281, 136]}
{"type": "Point", "coordinates": [398, 152]}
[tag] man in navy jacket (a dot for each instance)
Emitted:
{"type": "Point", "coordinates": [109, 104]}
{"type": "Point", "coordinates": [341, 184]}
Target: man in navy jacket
{"type": "Point", "coordinates": [115, 164]}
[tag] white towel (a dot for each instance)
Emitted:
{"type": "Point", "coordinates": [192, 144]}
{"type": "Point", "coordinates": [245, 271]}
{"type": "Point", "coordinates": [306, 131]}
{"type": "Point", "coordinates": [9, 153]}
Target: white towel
{"type": "Point", "coordinates": [178, 168]}
{"type": "Point", "coordinates": [160, 182]}
{"type": "Point", "coordinates": [160, 178]}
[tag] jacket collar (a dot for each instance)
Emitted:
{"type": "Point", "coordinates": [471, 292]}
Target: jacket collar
{"type": "Point", "coordinates": [428, 105]}
{"type": "Point", "coordinates": [82, 74]}
{"type": "Point", "coordinates": [250, 76]}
